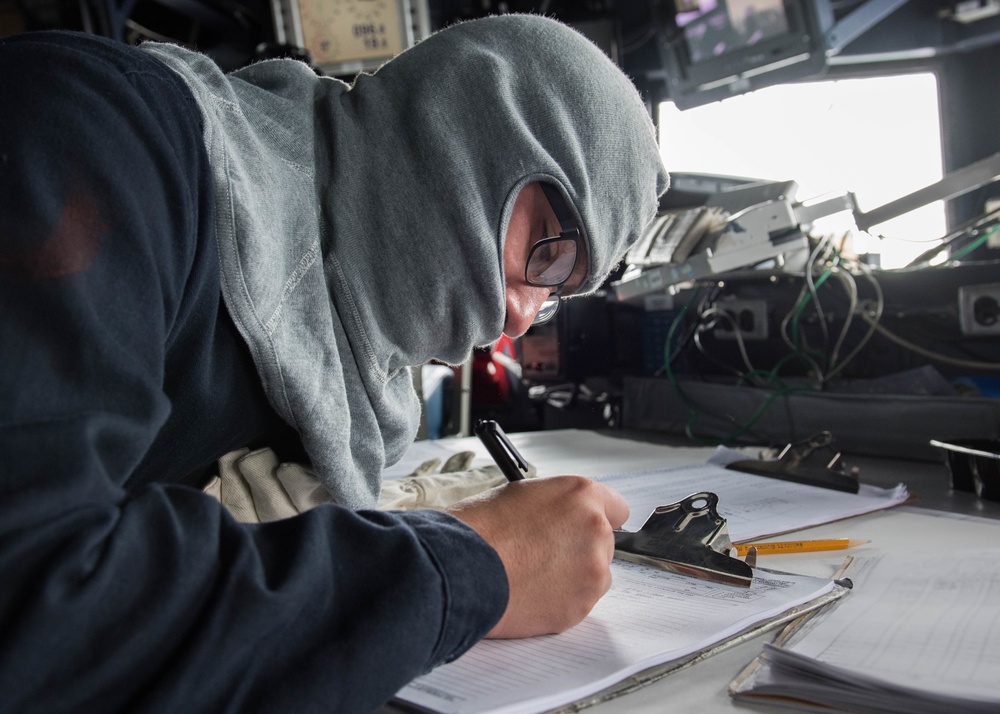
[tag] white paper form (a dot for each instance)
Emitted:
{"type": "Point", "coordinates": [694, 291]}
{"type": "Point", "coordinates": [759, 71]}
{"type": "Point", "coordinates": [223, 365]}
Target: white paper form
{"type": "Point", "coordinates": [927, 624]}
{"type": "Point", "coordinates": [753, 506]}
{"type": "Point", "coordinates": [648, 617]}
{"type": "Point", "coordinates": [562, 451]}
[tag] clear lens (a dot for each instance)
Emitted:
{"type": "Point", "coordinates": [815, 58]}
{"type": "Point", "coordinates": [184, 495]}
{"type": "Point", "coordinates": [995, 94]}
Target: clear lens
{"type": "Point", "coordinates": [548, 310]}
{"type": "Point", "coordinates": [551, 262]}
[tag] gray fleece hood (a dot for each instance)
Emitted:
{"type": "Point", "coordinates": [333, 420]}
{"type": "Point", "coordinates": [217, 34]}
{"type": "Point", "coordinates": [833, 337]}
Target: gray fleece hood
{"type": "Point", "coordinates": [361, 226]}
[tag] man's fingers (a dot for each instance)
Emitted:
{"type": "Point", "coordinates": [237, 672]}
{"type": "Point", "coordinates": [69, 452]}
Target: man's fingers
{"type": "Point", "coordinates": [555, 538]}
{"type": "Point", "coordinates": [615, 507]}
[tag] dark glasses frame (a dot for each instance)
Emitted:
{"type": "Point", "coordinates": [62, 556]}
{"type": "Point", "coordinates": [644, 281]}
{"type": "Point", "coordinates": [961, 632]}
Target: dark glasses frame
{"type": "Point", "coordinates": [568, 231]}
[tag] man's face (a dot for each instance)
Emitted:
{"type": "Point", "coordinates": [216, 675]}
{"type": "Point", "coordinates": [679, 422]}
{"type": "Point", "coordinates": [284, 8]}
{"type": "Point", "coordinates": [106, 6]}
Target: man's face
{"type": "Point", "coordinates": [532, 220]}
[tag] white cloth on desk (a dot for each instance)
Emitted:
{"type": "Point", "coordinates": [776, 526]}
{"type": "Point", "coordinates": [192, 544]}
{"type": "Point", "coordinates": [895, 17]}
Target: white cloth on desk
{"type": "Point", "coordinates": [256, 487]}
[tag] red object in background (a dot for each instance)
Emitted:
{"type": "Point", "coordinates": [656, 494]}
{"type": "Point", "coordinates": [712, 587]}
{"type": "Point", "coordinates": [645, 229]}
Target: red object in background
{"type": "Point", "coordinates": [494, 371]}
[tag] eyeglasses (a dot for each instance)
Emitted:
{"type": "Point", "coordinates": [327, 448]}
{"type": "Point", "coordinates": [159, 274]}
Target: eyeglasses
{"type": "Point", "coordinates": [552, 260]}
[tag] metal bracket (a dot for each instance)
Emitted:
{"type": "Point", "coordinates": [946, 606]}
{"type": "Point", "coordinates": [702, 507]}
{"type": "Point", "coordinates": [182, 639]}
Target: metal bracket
{"type": "Point", "coordinates": [793, 465]}
{"type": "Point", "coordinates": [689, 538]}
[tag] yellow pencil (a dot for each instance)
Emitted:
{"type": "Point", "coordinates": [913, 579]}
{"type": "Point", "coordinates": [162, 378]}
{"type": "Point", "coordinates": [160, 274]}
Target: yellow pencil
{"type": "Point", "coordinates": [798, 546]}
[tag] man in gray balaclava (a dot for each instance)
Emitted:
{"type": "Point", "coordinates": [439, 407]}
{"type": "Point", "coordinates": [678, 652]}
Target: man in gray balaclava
{"type": "Point", "coordinates": [192, 262]}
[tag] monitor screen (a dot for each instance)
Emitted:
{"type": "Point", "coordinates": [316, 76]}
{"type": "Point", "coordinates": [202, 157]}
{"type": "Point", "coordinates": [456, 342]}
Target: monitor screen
{"type": "Point", "coordinates": [715, 27]}
{"type": "Point", "coordinates": [713, 49]}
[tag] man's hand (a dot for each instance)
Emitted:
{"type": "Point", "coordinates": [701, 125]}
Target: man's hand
{"type": "Point", "coordinates": [554, 536]}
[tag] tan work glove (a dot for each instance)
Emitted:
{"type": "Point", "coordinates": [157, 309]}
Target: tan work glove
{"type": "Point", "coordinates": [426, 489]}
{"type": "Point", "coordinates": [255, 487]}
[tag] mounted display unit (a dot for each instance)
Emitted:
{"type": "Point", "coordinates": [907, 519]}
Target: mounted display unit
{"type": "Point", "coordinates": [714, 49]}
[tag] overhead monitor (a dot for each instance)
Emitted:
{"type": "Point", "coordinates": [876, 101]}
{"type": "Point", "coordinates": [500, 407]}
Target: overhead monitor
{"type": "Point", "coordinates": [714, 49]}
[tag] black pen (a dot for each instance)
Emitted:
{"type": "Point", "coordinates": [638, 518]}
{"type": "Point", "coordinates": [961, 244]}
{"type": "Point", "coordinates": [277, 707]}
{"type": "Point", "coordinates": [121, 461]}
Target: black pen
{"type": "Point", "coordinates": [503, 452]}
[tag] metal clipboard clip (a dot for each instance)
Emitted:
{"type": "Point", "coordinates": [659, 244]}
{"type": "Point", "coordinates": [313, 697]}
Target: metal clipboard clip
{"type": "Point", "coordinates": [791, 466]}
{"type": "Point", "coordinates": [689, 538]}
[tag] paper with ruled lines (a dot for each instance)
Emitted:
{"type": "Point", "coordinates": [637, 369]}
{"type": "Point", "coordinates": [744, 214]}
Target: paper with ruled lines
{"type": "Point", "coordinates": [753, 506]}
{"type": "Point", "coordinates": [649, 617]}
{"type": "Point", "coordinates": [921, 632]}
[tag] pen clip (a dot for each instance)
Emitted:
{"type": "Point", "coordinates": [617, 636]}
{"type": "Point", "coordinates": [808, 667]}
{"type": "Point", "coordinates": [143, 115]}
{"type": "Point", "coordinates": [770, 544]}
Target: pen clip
{"type": "Point", "coordinates": [513, 466]}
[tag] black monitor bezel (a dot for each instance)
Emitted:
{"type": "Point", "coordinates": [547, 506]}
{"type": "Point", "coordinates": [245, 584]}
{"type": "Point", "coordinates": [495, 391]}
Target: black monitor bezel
{"type": "Point", "coordinates": [797, 53]}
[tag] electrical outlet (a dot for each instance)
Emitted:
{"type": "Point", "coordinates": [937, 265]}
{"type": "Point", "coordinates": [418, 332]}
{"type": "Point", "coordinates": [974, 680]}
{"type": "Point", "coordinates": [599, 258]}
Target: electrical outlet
{"type": "Point", "coordinates": [979, 309]}
{"type": "Point", "coordinates": [749, 315]}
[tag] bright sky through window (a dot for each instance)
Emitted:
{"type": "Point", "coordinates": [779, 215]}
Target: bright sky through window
{"type": "Point", "coordinates": [879, 137]}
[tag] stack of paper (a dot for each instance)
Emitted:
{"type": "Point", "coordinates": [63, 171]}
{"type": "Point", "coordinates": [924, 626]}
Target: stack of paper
{"type": "Point", "coordinates": [916, 635]}
{"type": "Point", "coordinates": [649, 617]}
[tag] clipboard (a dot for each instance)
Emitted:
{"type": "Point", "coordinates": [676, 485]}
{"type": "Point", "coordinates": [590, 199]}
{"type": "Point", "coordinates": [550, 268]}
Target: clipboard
{"type": "Point", "coordinates": [796, 463]}
{"type": "Point", "coordinates": [743, 681]}
{"type": "Point", "coordinates": [920, 635]}
{"type": "Point", "coordinates": [793, 618]}
{"type": "Point", "coordinates": [470, 686]}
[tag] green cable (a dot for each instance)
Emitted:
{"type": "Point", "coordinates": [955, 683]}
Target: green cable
{"type": "Point", "coordinates": [693, 412]}
{"type": "Point", "coordinates": [667, 349]}
{"type": "Point", "coordinates": [772, 375]}
{"type": "Point", "coordinates": [754, 418]}
{"type": "Point", "coordinates": [781, 363]}
{"type": "Point", "coordinates": [974, 244]}
{"type": "Point", "coordinates": [805, 301]}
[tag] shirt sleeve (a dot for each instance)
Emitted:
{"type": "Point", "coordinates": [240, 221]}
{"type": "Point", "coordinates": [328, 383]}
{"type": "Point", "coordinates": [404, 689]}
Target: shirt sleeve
{"type": "Point", "coordinates": [162, 602]}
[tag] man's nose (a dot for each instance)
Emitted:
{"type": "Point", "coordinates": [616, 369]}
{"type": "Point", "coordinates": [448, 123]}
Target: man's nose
{"type": "Point", "coordinates": [521, 312]}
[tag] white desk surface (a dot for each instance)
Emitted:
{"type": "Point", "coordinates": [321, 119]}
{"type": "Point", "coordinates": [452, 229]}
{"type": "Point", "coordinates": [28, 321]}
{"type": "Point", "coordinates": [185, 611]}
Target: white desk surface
{"type": "Point", "coordinates": [957, 521]}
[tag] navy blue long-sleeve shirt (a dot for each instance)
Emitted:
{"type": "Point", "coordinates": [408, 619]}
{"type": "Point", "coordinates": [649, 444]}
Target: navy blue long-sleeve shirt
{"type": "Point", "coordinates": [122, 587]}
